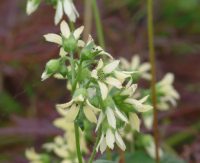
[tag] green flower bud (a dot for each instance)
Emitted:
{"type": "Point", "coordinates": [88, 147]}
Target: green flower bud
{"type": "Point", "coordinates": [52, 66]}
{"type": "Point", "coordinates": [69, 44]}
{"type": "Point", "coordinates": [63, 70]}
{"type": "Point", "coordinates": [86, 54]}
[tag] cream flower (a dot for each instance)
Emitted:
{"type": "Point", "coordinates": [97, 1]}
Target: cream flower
{"type": "Point", "coordinates": [111, 115]}
{"type": "Point", "coordinates": [108, 139]}
{"type": "Point", "coordinates": [65, 31]}
{"type": "Point", "coordinates": [32, 156]}
{"type": "Point", "coordinates": [67, 7]}
{"type": "Point", "coordinates": [167, 91]}
{"type": "Point", "coordinates": [31, 6]}
{"type": "Point", "coordinates": [71, 109]}
{"type": "Point", "coordinates": [102, 74]}
{"type": "Point", "coordinates": [135, 65]}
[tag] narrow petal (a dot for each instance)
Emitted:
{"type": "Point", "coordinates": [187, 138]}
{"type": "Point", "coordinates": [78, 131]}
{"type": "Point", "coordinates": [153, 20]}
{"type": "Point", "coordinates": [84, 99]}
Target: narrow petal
{"type": "Point", "coordinates": [111, 67]}
{"type": "Point", "coordinates": [64, 28]}
{"type": "Point", "coordinates": [81, 43]}
{"type": "Point", "coordinates": [96, 110]}
{"type": "Point", "coordinates": [100, 64]}
{"type": "Point", "coordinates": [114, 82]}
{"type": "Point", "coordinates": [62, 52]}
{"type": "Point", "coordinates": [59, 12]}
{"type": "Point", "coordinates": [51, 37]}
{"type": "Point", "coordinates": [100, 120]}
{"type": "Point", "coordinates": [72, 113]}
{"type": "Point", "coordinates": [121, 115]}
{"type": "Point", "coordinates": [135, 62]}
{"type": "Point", "coordinates": [103, 89]}
{"type": "Point", "coordinates": [31, 6]}
{"type": "Point", "coordinates": [100, 140]}
{"type": "Point", "coordinates": [90, 114]}
{"type": "Point", "coordinates": [68, 9]}
{"type": "Point", "coordinates": [148, 121]}
{"type": "Point", "coordinates": [144, 99]}
{"type": "Point", "coordinates": [134, 121]}
{"type": "Point", "coordinates": [110, 139]}
{"type": "Point", "coordinates": [121, 76]}
{"type": "Point", "coordinates": [111, 117]}
{"type": "Point", "coordinates": [103, 145]}
{"type": "Point", "coordinates": [144, 67]}
{"type": "Point", "coordinates": [119, 141]}
{"type": "Point", "coordinates": [65, 105]}
{"type": "Point", "coordinates": [78, 32]}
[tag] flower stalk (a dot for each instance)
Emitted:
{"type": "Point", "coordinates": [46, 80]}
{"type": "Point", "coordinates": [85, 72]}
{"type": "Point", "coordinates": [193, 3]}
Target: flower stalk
{"type": "Point", "coordinates": [77, 137]}
{"type": "Point", "coordinates": [98, 24]}
{"type": "Point", "coordinates": [153, 74]}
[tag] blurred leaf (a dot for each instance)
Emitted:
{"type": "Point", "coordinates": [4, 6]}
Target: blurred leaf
{"type": "Point", "coordinates": [8, 104]}
{"type": "Point", "coordinates": [104, 161]}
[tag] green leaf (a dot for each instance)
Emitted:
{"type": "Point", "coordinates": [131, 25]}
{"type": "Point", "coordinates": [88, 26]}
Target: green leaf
{"type": "Point", "coordinates": [170, 158]}
{"type": "Point", "coordinates": [138, 157]}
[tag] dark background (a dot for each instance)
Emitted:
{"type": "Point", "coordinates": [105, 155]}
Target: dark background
{"type": "Point", "coordinates": [27, 104]}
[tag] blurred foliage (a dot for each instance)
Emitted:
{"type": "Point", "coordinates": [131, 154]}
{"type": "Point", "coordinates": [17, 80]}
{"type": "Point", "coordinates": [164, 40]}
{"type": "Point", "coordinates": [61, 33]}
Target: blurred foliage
{"type": "Point", "coordinates": [9, 104]}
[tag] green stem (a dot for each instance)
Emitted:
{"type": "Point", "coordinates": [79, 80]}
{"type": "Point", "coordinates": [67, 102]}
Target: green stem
{"type": "Point", "coordinates": [98, 24]}
{"type": "Point", "coordinates": [72, 66]}
{"type": "Point", "coordinates": [95, 146]}
{"type": "Point", "coordinates": [153, 74]}
{"type": "Point", "coordinates": [78, 143]}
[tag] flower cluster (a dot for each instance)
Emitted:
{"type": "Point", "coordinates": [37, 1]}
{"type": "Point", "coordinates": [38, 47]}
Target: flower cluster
{"type": "Point", "coordinates": [62, 7]}
{"type": "Point", "coordinates": [102, 94]}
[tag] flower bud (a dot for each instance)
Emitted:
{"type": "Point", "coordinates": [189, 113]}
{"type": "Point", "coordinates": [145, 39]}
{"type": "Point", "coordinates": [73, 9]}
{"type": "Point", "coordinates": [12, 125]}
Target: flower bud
{"type": "Point", "coordinates": [70, 43]}
{"type": "Point", "coordinates": [52, 66]}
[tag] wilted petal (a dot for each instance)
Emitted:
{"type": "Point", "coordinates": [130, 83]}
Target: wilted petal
{"type": "Point", "coordinates": [51, 37]}
{"type": "Point", "coordinates": [89, 114]}
{"type": "Point", "coordinates": [59, 12]}
{"type": "Point", "coordinates": [111, 117]}
{"type": "Point", "coordinates": [103, 89]}
{"type": "Point", "coordinates": [78, 32]}
{"type": "Point", "coordinates": [119, 141]}
{"type": "Point", "coordinates": [110, 139]}
{"type": "Point", "coordinates": [121, 115]}
{"type": "Point", "coordinates": [64, 28]}
{"type": "Point", "coordinates": [114, 82]}
{"type": "Point", "coordinates": [111, 66]}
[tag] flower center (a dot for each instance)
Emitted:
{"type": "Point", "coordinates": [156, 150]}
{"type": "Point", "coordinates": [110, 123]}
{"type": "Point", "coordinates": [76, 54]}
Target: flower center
{"type": "Point", "coordinates": [101, 75]}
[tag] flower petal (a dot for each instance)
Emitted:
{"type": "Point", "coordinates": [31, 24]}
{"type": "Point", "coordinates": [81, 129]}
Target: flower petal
{"type": "Point", "coordinates": [89, 114]}
{"type": "Point", "coordinates": [114, 82]}
{"type": "Point", "coordinates": [100, 64]}
{"type": "Point", "coordinates": [103, 145]}
{"type": "Point", "coordinates": [134, 121]}
{"type": "Point", "coordinates": [103, 89]}
{"type": "Point", "coordinates": [110, 139]}
{"type": "Point", "coordinates": [100, 141]}
{"type": "Point", "coordinates": [100, 120]}
{"type": "Point", "coordinates": [78, 32]}
{"type": "Point", "coordinates": [59, 12]}
{"type": "Point", "coordinates": [62, 52]}
{"type": "Point", "coordinates": [121, 115]}
{"type": "Point", "coordinates": [135, 62]}
{"type": "Point", "coordinates": [111, 117]}
{"type": "Point", "coordinates": [64, 28]}
{"type": "Point", "coordinates": [111, 66]}
{"type": "Point", "coordinates": [51, 37]}
{"type": "Point", "coordinates": [96, 110]}
{"type": "Point", "coordinates": [144, 67]}
{"type": "Point", "coordinates": [119, 141]}
{"type": "Point", "coordinates": [65, 105]}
